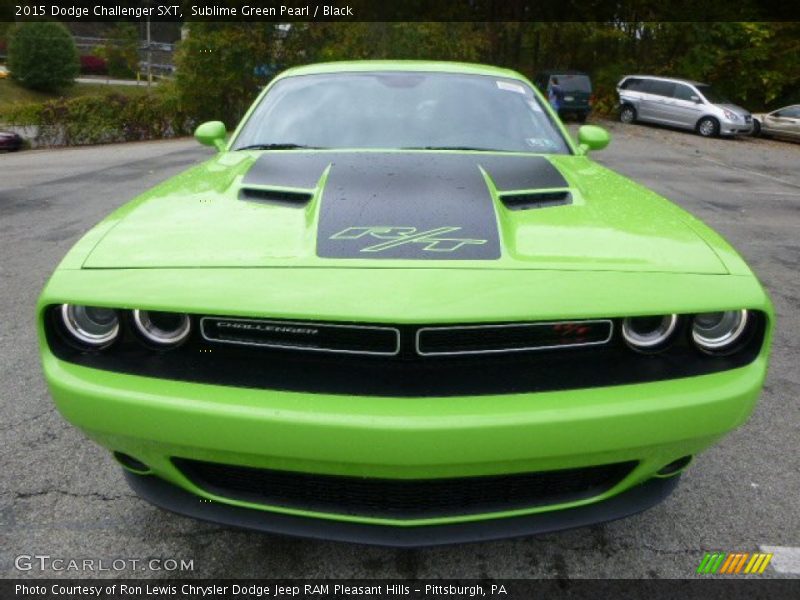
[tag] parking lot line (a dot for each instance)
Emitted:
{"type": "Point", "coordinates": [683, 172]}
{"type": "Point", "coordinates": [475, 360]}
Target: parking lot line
{"type": "Point", "coordinates": [786, 559]}
{"type": "Point", "coordinates": [751, 172]}
{"type": "Point", "coordinates": [767, 193]}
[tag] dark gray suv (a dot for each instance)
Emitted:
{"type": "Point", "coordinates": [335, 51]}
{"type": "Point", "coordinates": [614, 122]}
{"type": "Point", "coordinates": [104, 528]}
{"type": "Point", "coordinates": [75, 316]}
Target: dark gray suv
{"type": "Point", "coordinates": [680, 103]}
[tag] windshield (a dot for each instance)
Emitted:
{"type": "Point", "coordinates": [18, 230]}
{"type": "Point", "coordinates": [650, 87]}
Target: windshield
{"type": "Point", "coordinates": [401, 110]}
{"type": "Point", "coordinates": [712, 95]}
{"type": "Point", "coordinates": [575, 83]}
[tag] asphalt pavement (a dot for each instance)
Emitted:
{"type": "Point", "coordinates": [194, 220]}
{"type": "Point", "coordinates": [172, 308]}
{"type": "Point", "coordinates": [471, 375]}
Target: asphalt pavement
{"type": "Point", "coordinates": [63, 496]}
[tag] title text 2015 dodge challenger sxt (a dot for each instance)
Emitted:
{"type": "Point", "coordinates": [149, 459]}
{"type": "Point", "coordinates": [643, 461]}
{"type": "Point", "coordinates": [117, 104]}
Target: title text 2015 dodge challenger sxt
{"type": "Point", "coordinates": [402, 306]}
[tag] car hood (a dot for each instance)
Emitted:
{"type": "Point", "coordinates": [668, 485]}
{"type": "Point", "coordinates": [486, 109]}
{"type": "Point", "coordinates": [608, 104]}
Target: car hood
{"type": "Point", "coordinates": [377, 209]}
{"type": "Point", "coordinates": [734, 108]}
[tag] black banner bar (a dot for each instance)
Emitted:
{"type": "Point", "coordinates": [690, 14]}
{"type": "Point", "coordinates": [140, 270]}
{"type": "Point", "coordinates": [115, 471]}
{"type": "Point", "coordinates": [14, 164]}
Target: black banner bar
{"type": "Point", "coordinates": [287, 11]}
{"type": "Point", "coordinates": [732, 588]}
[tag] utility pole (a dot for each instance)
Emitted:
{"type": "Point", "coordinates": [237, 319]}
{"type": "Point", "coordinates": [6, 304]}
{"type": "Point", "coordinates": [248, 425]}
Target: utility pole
{"type": "Point", "coordinates": [149, 55]}
{"type": "Point", "coordinates": [148, 4]}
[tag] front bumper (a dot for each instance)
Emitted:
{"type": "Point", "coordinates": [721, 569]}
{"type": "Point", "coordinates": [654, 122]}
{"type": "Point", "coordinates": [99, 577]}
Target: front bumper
{"type": "Point", "coordinates": [155, 420]}
{"type": "Point", "coordinates": [727, 127]}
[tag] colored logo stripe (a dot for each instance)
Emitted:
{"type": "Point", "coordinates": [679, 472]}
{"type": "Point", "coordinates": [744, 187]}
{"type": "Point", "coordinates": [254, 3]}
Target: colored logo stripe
{"type": "Point", "coordinates": [733, 563]}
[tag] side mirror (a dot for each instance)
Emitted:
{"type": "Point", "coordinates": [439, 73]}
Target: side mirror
{"type": "Point", "coordinates": [592, 137]}
{"type": "Point", "coordinates": [211, 133]}
{"type": "Point", "coordinates": [696, 99]}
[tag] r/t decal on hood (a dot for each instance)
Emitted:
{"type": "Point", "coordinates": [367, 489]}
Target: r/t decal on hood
{"type": "Point", "coordinates": [433, 240]}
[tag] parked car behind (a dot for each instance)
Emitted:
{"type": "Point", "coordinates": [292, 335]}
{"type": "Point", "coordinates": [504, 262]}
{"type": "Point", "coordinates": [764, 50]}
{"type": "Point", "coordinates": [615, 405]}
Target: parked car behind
{"type": "Point", "coordinates": [681, 103]}
{"type": "Point", "coordinates": [783, 123]}
{"type": "Point", "coordinates": [10, 141]}
{"type": "Point", "coordinates": [4, 72]}
{"type": "Point", "coordinates": [577, 88]}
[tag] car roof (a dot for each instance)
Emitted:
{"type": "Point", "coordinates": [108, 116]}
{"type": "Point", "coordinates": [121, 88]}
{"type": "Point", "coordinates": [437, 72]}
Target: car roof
{"type": "Point", "coordinates": [673, 79]}
{"type": "Point", "coordinates": [550, 72]}
{"type": "Point", "coordinates": [421, 66]}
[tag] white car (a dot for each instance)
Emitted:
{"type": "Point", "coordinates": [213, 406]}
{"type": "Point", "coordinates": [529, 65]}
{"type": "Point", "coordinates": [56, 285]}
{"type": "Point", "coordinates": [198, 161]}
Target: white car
{"type": "Point", "coordinates": [680, 103]}
{"type": "Point", "coordinates": [783, 123]}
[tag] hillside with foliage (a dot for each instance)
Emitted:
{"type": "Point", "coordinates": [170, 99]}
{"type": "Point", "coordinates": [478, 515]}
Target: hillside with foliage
{"type": "Point", "coordinates": [756, 64]}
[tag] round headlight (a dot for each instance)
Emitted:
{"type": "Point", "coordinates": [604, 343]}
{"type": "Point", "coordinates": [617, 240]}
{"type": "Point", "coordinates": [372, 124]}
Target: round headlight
{"type": "Point", "coordinates": [90, 325]}
{"type": "Point", "coordinates": [648, 333]}
{"type": "Point", "coordinates": [162, 328]}
{"type": "Point", "coordinates": [719, 331]}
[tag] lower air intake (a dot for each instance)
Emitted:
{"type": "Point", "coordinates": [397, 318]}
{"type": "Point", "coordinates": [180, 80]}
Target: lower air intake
{"type": "Point", "coordinates": [401, 498]}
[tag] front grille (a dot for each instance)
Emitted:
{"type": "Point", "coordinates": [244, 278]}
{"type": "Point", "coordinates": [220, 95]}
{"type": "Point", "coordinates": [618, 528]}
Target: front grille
{"type": "Point", "coordinates": [400, 498]}
{"type": "Point", "coordinates": [484, 339]}
{"type": "Point", "coordinates": [386, 341]}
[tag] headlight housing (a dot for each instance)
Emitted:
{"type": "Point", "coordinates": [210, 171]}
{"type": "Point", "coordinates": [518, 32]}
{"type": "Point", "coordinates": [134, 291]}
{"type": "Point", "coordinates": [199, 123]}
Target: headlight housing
{"type": "Point", "coordinates": [164, 329]}
{"type": "Point", "coordinates": [649, 334]}
{"type": "Point", "coordinates": [731, 116]}
{"type": "Point", "coordinates": [719, 332]}
{"type": "Point", "coordinates": [90, 326]}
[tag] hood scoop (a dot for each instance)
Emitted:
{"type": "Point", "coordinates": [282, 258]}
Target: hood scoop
{"type": "Point", "coordinates": [299, 198]}
{"type": "Point", "coordinates": [533, 199]}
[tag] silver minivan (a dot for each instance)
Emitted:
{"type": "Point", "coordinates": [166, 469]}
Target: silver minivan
{"type": "Point", "coordinates": [680, 103]}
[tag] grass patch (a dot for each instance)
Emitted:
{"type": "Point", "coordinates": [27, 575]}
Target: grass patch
{"type": "Point", "coordinates": [11, 93]}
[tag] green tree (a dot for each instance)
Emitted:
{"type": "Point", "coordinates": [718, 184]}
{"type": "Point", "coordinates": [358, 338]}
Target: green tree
{"type": "Point", "coordinates": [310, 42]}
{"type": "Point", "coordinates": [42, 56]}
{"type": "Point", "coordinates": [121, 51]}
{"type": "Point", "coordinates": [219, 68]}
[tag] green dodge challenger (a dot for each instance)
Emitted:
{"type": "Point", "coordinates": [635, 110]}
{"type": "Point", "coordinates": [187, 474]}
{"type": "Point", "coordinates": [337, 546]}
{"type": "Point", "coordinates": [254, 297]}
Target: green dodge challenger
{"type": "Point", "coordinates": [402, 306]}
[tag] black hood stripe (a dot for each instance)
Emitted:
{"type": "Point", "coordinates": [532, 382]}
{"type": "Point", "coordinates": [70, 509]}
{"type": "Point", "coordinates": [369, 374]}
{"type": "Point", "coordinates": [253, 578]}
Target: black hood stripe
{"type": "Point", "coordinates": [411, 206]}
{"type": "Point", "coordinates": [406, 205]}
{"type": "Point", "coordinates": [288, 169]}
{"type": "Point", "coordinates": [511, 173]}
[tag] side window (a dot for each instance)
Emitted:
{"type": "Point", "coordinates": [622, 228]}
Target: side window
{"type": "Point", "coordinates": [648, 86]}
{"type": "Point", "coordinates": [684, 92]}
{"type": "Point", "coordinates": [661, 88]}
{"type": "Point", "coordinates": [792, 112]}
{"type": "Point", "coordinates": [633, 84]}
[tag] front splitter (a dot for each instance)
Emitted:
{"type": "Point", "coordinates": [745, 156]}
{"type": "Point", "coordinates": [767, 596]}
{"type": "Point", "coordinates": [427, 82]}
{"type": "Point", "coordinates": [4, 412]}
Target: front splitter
{"type": "Point", "coordinates": [170, 497]}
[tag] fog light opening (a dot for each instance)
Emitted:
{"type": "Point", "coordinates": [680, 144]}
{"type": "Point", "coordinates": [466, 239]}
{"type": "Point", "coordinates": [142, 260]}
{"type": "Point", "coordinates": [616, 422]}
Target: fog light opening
{"type": "Point", "coordinates": [675, 467]}
{"type": "Point", "coordinates": [131, 464]}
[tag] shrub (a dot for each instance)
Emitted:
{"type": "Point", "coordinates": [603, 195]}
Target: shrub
{"type": "Point", "coordinates": [42, 56]}
{"type": "Point", "coordinates": [93, 65]}
{"type": "Point", "coordinates": [102, 119]}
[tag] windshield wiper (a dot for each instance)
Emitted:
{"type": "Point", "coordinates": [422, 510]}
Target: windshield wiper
{"type": "Point", "coordinates": [281, 146]}
{"type": "Point", "coordinates": [473, 148]}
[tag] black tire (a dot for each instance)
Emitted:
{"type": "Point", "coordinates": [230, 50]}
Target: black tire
{"type": "Point", "coordinates": [708, 127]}
{"type": "Point", "coordinates": [756, 128]}
{"type": "Point", "coordinates": [627, 114]}
{"type": "Point", "coordinates": [581, 117]}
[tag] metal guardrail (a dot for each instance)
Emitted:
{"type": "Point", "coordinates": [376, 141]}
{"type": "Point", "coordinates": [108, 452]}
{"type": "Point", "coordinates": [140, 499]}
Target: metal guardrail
{"type": "Point", "coordinates": [90, 42]}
